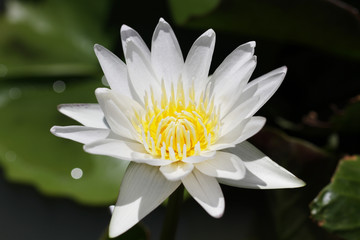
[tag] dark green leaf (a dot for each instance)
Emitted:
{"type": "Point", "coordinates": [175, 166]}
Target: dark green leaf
{"type": "Point", "coordinates": [322, 24]}
{"type": "Point", "coordinates": [337, 207]}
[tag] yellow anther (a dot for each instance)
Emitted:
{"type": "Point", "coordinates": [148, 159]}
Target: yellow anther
{"type": "Point", "coordinates": [175, 127]}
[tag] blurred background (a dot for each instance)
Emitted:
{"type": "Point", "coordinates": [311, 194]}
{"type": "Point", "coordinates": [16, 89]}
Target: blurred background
{"type": "Point", "coordinates": [51, 189]}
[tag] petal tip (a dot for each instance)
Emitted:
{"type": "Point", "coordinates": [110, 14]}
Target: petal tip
{"type": "Point", "coordinates": [161, 20]}
{"type": "Point", "coordinates": [219, 211]}
{"type": "Point", "coordinates": [252, 44]}
{"type": "Point", "coordinates": [283, 69]}
{"type": "Point", "coordinates": [210, 32]}
{"type": "Point", "coordinates": [97, 47]}
{"type": "Point", "coordinates": [113, 232]}
{"type": "Point", "coordinates": [53, 130]}
{"type": "Point", "coordinates": [100, 91]}
{"type": "Point", "coordinates": [124, 27]}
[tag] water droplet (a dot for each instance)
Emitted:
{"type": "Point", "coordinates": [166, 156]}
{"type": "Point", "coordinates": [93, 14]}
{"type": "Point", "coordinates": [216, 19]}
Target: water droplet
{"type": "Point", "coordinates": [3, 70]}
{"type": "Point", "coordinates": [104, 81]}
{"type": "Point", "coordinates": [76, 173]}
{"type": "Point", "coordinates": [14, 93]}
{"type": "Point", "coordinates": [10, 156]}
{"type": "Point", "coordinates": [59, 86]}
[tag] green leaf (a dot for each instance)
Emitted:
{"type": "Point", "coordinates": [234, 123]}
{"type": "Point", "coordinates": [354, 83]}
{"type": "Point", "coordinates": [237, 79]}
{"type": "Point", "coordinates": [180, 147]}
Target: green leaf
{"type": "Point", "coordinates": [337, 207]}
{"type": "Point", "coordinates": [322, 24]}
{"type": "Point", "coordinates": [50, 37]}
{"type": "Point", "coordinates": [183, 10]}
{"type": "Point", "coordinates": [30, 154]}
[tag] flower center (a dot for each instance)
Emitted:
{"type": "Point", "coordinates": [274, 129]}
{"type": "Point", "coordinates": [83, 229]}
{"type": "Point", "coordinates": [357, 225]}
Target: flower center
{"type": "Point", "coordinates": [178, 126]}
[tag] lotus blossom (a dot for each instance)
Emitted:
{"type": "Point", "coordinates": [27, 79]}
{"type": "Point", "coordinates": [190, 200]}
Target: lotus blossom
{"type": "Point", "coordinates": [172, 121]}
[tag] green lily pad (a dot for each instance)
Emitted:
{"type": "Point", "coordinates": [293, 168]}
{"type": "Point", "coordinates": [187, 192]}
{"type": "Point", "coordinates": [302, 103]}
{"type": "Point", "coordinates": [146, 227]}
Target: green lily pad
{"type": "Point", "coordinates": [337, 207]}
{"type": "Point", "coordinates": [50, 37]}
{"type": "Point", "coordinates": [326, 25]}
{"type": "Point", "coordinates": [30, 154]}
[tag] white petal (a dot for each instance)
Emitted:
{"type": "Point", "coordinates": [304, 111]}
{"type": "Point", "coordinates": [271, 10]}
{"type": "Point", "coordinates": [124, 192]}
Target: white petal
{"type": "Point", "coordinates": [244, 130]}
{"type": "Point", "coordinates": [223, 165]}
{"type": "Point", "coordinates": [118, 113]}
{"type": "Point", "coordinates": [261, 172]}
{"type": "Point", "coordinates": [231, 76]}
{"type": "Point", "coordinates": [130, 151]}
{"type": "Point", "coordinates": [80, 134]}
{"type": "Point", "coordinates": [231, 64]}
{"type": "Point", "coordinates": [166, 56]}
{"type": "Point", "coordinates": [177, 170]}
{"type": "Point", "coordinates": [143, 188]}
{"type": "Point", "coordinates": [200, 158]}
{"type": "Point", "coordinates": [238, 114]}
{"type": "Point", "coordinates": [228, 93]}
{"type": "Point", "coordinates": [206, 191]}
{"type": "Point", "coordinates": [138, 62]}
{"type": "Point", "coordinates": [89, 115]}
{"type": "Point", "coordinates": [115, 72]}
{"type": "Point", "coordinates": [198, 60]}
{"type": "Point", "coordinates": [266, 86]}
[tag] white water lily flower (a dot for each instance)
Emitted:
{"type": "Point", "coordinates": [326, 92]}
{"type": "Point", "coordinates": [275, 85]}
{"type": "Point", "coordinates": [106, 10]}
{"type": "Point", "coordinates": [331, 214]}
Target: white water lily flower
{"type": "Point", "coordinates": [171, 120]}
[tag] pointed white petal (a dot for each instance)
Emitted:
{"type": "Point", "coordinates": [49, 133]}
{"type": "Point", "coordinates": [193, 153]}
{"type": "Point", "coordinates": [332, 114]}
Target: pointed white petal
{"type": "Point", "coordinates": [90, 115]}
{"type": "Point", "coordinates": [198, 60]}
{"type": "Point", "coordinates": [138, 62]}
{"type": "Point", "coordinates": [206, 191]}
{"type": "Point", "coordinates": [177, 170]}
{"type": "Point", "coordinates": [118, 114]}
{"type": "Point", "coordinates": [228, 93]}
{"type": "Point", "coordinates": [129, 151]}
{"type": "Point", "coordinates": [223, 165]}
{"type": "Point", "coordinates": [115, 72]}
{"type": "Point", "coordinates": [238, 114]}
{"type": "Point", "coordinates": [143, 188]}
{"type": "Point", "coordinates": [261, 172]}
{"type": "Point", "coordinates": [166, 56]}
{"type": "Point", "coordinates": [80, 134]}
{"type": "Point", "coordinates": [231, 64]}
{"type": "Point", "coordinates": [231, 76]}
{"type": "Point", "coordinates": [244, 130]}
{"type": "Point", "coordinates": [266, 86]}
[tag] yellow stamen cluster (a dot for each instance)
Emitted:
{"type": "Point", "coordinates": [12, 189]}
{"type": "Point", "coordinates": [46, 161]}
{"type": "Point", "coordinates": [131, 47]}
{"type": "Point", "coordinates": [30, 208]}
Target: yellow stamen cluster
{"type": "Point", "coordinates": [178, 126]}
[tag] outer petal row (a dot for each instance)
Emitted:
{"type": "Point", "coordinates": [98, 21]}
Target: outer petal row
{"type": "Point", "coordinates": [89, 115]}
{"type": "Point", "coordinates": [80, 134]}
{"type": "Point", "coordinates": [143, 189]}
{"type": "Point", "coordinates": [115, 72]}
{"type": "Point", "coordinates": [206, 191]}
{"type": "Point", "coordinates": [261, 172]}
{"type": "Point", "coordinates": [223, 165]}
